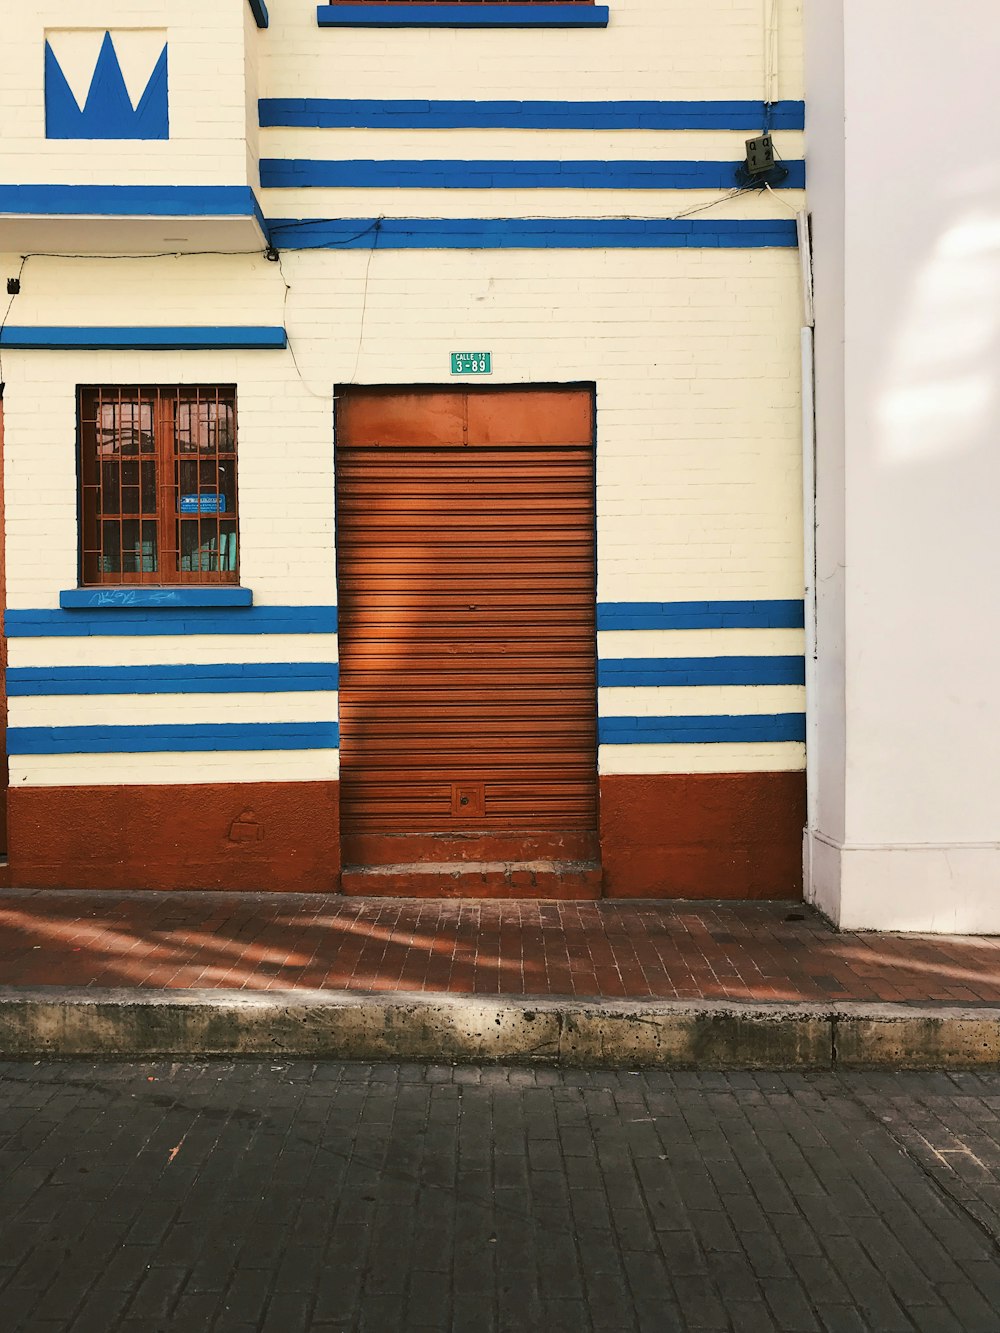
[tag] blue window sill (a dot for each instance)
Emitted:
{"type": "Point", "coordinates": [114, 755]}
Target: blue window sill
{"type": "Point", "coordinates": [462, 16]}
{"type": "Point", "coordinates": [114, 599]}
{"type": "Point", "coordinates": [74, 338]}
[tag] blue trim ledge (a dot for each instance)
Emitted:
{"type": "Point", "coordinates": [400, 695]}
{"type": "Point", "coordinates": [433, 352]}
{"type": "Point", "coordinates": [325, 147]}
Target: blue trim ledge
{"type": "Point", "coordinates": [781, 614]}
{"type": "Point", "coordinates": [629, 672]}
{"type": "Point", "coordinates": [110, 598]}
{"type": "Point", "coordinates": [172, 201]}
{"type": "Point", "coordinates": [214, 678]}
{"type": "Point", "coordinates": [462, 16]}
{"type": "Point", "coordinates": [173, 738]}
{"type": "Point", "coordinates": [531, 233]}
{"type": "Point", "coordinates": [42, 339]}
{"type": "Point", "coordinates": [332, 113]}
{"type": "Point", "coordinates": [170, 620]}
{"type": "Point", "coordinates": [259, 11]}
{"type": "Point", "coordinates": [305, 173]}
{"type": "Point", "coordinates": [743, 729]}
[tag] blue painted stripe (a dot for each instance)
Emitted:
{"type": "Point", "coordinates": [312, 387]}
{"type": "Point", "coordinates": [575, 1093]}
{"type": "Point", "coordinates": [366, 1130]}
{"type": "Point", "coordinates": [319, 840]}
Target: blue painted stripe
{"type": "Point", "coordinates": [744, 728]}
{"type": "Point", "coordinates": [259, 11]}
{"type": "Point", "coordinates": [530, 233]}
{"type": "Point", "coordinates": [341, 15]}
{"type": "Point", "coordinates": [214, 678]}
{"type": "Point", "coordinates": [448, 174]}
{"type": "Point", "coordinates": [782, 614]}
{"type": "Point", "coordinates": [775, 614]}
{"type": "Point", "coordinates": [412, 114]}
{"type": "Point", "coordinates": [173, 737]}
{"type": "Point", "coordinates": [129, 200]}
{"type": "Point", "coordinates": [52, 339]}
{"type": "Point", "coordinates": [228, 595]}
{"type": "Point", "coordinates": [638, 671]}
{"type": "Point", "coordinates": [166, 620]}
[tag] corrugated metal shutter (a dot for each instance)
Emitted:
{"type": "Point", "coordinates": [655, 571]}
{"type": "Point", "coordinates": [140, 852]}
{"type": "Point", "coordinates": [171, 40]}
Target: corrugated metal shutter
{"type": "Point", "coordinates": [468, 698]}
{"type": "Point", "coordinates": [3, 663]}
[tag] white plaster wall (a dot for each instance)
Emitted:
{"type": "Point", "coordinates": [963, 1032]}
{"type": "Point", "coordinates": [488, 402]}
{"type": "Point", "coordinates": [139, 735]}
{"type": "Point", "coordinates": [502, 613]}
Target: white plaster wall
{"type": "Point", "coordinates": [208, 98]}
{"type": "Point", "coordinates": [920, 846]}
{"type": "Point", "coordinates": [824, 54]}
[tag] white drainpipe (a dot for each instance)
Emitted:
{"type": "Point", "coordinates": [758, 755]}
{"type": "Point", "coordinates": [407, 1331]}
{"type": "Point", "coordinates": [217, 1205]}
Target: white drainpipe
{"type": "Point", "coordinates": [809, 527]}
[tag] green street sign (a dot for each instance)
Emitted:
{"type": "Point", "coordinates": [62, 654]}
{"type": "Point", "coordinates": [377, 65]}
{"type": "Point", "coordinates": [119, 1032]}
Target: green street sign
{"type": "Point", "coordinates": [472, 363]}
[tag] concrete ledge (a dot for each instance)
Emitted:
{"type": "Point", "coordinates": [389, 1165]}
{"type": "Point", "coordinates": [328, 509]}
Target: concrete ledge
{"type": "Point", "coordinates": [899, 1036]}
{"type": "Point", "coordinates": [693, 1035]}
{"type": "Point", "coordinates": [570, 1033]}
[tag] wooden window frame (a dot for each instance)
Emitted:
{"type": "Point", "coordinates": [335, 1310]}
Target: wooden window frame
{"type": "Point", "coordinates": [163, 517]}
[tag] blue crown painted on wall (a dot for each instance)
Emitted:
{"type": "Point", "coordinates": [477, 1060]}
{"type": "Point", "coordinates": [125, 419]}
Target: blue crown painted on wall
{"type": "Point", "coordinates": [108, 112]}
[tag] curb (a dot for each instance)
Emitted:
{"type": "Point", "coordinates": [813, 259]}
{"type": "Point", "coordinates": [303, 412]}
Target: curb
{"type": "Point", "coordinates": [566, 1033]}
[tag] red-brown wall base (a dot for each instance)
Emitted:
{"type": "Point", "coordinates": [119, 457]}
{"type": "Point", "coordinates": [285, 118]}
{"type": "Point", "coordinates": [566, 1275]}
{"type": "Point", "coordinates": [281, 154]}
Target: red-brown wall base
{"type": "Point", "coordinates": [703, 835]}
{"type": "Point", "coordinates": [249, 837]}
{"type": "Point", "coordinates": [729, 835]}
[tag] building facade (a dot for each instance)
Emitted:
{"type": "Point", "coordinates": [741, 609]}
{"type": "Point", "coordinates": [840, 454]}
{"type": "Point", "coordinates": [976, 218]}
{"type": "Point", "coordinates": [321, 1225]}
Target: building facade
{"type": "Point", "coordinates": [402, 447]}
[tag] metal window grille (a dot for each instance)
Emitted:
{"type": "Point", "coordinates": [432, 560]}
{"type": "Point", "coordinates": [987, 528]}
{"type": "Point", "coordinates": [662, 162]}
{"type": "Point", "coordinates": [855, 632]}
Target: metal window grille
{"type": "Point", "coordinates": [158, 485]}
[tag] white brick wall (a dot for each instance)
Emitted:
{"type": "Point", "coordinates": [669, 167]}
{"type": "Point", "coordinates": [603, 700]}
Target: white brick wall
{"type": "Point", "coordinates": [127, 710]}
{"type": "Point", "coordinates": [253, 39]}
{"type": "Point", "coordinates": [660, 49]}
{"type": "Point", "coordinates": [71, 770]}
{"type": "Point", "coordinates": [698, 437]}
{"type": "Point", "coordinates": [770, 757]}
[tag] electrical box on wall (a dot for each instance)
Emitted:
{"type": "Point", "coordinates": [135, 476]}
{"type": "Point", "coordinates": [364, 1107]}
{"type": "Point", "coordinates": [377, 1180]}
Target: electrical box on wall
{"type": "Point", "coordinates": [760, 154]}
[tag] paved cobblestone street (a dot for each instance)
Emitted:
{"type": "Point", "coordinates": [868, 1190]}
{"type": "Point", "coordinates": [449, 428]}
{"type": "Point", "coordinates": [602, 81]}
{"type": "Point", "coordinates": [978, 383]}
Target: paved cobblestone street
{"type": "Point", "coordinates": [286, 1196]}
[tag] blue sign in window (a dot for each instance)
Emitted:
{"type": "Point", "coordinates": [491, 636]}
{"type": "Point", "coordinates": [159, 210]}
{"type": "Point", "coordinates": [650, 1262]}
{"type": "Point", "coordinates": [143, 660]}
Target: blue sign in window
{"type": "Point", "coordinates": [208, 502]}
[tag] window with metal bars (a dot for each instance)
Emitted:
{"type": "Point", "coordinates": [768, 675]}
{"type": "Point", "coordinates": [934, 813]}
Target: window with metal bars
{"type": "Point", "coordinates": [158, 485]}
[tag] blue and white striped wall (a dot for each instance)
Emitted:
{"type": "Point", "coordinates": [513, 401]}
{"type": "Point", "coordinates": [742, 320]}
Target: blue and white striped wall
{"type": "Point", "coordinates": [172, 696]}
{"type": "Point", "coordinates": [701, 687]}
{"type": "Point", "coordinates": [531, 174]}
{"type": "Point", "coordinates": [250, 694]}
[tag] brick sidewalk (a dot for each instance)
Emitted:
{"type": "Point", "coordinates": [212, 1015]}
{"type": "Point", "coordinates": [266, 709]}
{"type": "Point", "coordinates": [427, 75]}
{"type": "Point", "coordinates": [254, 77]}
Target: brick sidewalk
{"type": "Point", "coordinates": [742, 951]}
